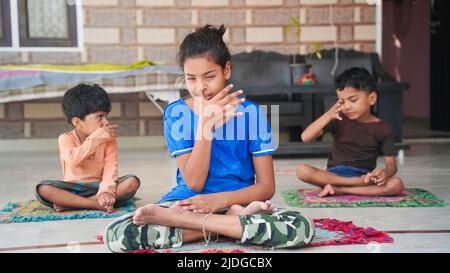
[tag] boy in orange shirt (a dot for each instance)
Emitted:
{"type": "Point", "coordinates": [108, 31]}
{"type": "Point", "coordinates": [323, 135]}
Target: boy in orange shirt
{"type": "Point", "coordinates": [88, 157]}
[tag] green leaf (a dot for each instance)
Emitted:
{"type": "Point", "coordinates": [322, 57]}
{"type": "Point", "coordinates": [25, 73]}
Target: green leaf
{"type": "Point", "coordinates": [287, 29]}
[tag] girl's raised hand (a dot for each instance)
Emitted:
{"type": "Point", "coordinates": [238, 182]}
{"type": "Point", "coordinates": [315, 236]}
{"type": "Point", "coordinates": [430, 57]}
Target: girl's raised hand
{"type": "Point", "coordinates": [222, 106]}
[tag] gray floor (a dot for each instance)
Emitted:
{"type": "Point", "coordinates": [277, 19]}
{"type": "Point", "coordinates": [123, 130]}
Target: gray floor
{"type": "Point", "coordinates": [426, 166]}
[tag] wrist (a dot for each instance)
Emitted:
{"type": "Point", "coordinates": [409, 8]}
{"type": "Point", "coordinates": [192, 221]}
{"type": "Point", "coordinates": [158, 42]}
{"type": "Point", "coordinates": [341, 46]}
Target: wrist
{"type": "Point", "coordinates": [108, 192]}
{"type": "Point", "coordinates": [329, 116]}
{"type": "Point", "coordinates": [225, 201]}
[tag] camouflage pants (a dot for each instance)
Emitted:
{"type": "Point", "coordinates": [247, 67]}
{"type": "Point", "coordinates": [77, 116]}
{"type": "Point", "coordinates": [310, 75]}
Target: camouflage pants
{"type": "Point", "coordinates": [282, 229]}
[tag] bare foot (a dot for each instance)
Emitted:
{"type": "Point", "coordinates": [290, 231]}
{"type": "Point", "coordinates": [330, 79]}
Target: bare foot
{"type": "Point", "coordinates": [255, 207]}
{"type": "Point", "coordinates": [109, 209]}
{"type": "Point", "coordinates": [327, 190]}
{"type": "Point", "coordinates": [61, 209]}
{"type": "Point", "coordinates": [154, 214]}
{"type": "Point", "coordinates": [235, 210]}
{"type": "Point", "coordinates": [58, 208]}
{"type": "Point", "coordinates": [258, 207]}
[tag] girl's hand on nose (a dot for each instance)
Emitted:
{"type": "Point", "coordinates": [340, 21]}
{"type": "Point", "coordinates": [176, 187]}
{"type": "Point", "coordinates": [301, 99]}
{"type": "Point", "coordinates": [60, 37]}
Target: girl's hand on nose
{"type": "Point", "coordinates": [223, 105]}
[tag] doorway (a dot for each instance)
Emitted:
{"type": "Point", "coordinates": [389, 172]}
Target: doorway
{"type": "Point", "coordinates": [440, 65]}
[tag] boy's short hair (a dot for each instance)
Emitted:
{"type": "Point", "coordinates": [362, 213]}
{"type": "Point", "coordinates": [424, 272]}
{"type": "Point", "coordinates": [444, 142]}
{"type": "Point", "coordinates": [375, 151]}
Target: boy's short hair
{"type": "Point", "coordinates": [356, 77]}
{"type": "Point", "coordinates": [85, 99]}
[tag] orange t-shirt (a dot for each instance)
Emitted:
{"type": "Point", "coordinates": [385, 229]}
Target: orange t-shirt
{"type": "Point", "coordinates": [93, 160]}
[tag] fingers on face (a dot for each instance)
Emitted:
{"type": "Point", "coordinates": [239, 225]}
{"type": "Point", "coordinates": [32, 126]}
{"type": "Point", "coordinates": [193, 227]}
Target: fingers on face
{"type": "Point", "coordinates": [222, 93]}
{"type": "Point", "coordinates": [232, 96]}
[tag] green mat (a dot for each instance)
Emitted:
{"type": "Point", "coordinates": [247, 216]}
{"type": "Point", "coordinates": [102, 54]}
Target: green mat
{"type": "Point", "coordinates": [33, 211]}
{"type": "Point", "coordinates": [307, 198]}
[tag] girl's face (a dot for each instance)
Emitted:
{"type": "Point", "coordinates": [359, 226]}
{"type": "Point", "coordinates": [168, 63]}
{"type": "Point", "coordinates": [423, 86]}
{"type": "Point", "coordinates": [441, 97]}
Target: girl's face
{"type": "Point", "coordinates": [204, 78]}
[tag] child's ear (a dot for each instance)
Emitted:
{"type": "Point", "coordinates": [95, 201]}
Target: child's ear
{"type": "Point", "coordinates": [227, 70]}
{"type": "Point", "coordinates": [373, 98]}
{"type": "Point", "coordinates": [76, 122]}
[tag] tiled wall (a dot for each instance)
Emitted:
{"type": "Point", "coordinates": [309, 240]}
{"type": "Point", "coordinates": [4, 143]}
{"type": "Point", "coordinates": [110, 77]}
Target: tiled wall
{"type": "Point", "coordinates": [126, 31]}
{"type": "Point", "coordinates": [134, 113]}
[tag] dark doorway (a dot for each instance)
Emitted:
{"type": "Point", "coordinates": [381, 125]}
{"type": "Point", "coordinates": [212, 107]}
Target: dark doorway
{"type": "Point", "coordinates": [440, 65]}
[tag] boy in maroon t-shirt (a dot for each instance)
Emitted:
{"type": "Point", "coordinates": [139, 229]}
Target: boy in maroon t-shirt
{"type": "Point", "coordinates": [358, 138]}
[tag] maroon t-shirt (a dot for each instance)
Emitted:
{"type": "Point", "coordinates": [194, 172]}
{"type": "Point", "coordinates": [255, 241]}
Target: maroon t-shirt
{"type": "Point", "coordinates": [359, 144]}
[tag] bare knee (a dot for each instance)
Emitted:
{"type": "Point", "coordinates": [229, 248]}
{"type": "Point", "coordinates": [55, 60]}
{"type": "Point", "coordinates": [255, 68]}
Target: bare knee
{"type": "Point", "coordinates": [394, 186]}
{"type": "Point", "coordinates": [131, 184]}
{"type": "Point", "coordinates": [44, 190]}
{"type": "Point", "coordinates": [304, 172]}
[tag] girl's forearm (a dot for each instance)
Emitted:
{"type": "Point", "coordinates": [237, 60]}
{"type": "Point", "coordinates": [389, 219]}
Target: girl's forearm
{"type": "Point", "coordinates": [197, 165]}
{"type": "Point", "coordinates": [256, 192]}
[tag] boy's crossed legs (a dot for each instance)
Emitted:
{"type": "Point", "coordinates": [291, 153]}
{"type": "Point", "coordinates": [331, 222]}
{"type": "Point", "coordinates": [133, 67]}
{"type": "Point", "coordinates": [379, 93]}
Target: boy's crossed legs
{"type": "Point", "coordinates": [62, 199]}
{"type": "Point", "coordinates": [332, 184]}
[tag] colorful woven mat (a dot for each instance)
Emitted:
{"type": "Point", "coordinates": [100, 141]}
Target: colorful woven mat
{"type": "Point", "coordinates": [329, 232]}
{"type": "Point", "coordinates": [33, 211]}
{"type": "Point", "coordinates": [307, 198]}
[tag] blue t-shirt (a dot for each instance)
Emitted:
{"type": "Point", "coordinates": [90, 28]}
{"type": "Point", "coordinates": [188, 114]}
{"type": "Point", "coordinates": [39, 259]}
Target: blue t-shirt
{"type": "Point", "coordinates": [233, 146]}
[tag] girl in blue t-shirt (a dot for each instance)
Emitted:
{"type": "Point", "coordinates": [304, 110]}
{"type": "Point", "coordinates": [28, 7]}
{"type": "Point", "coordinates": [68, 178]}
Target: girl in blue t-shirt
{"type": "Point", "coordinates": [223, 148]}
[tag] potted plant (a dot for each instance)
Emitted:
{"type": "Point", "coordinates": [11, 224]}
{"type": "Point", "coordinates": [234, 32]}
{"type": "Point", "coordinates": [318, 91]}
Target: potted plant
{"type": "Point", "coordinates": [302, 67]}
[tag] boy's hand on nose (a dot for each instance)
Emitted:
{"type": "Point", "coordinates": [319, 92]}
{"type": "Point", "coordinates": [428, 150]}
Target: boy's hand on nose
{"type": "Point", "coordinates": [110, 128]}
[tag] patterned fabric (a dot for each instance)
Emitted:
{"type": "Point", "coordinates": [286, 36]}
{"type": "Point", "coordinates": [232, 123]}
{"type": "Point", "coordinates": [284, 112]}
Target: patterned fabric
{"type": "Point", "coordinates": [335, 232]}
{"type": "Point", "coordinates": [34, 211]}
{"type": "Point", "coordinates": [328, 232]}
{"type": "Point", "coordinates": [47, 19]}
{"type": "Point", "coordinates": [28, 84]}
{"type": "Point", "coordinates": [122, 235]}
{"type": "Point", "coordinates": [308, 198]}
{"type": "Point", "coordinates": [280, 230]}
{"type": "Point", "coordinates": [84, 189]}
{"type": "Point", "coordinates": [37, 68]}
